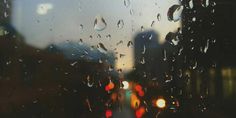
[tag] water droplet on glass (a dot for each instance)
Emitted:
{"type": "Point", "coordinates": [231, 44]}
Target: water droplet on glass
{"type": "Point", "coordinates": [192, 48]}
{"type": "Point", "coordinates": [142, 28]}
{"type": "Point", "coordinates": [164, 55]}
{"type": "Point", "coordinates": [131, 12]}
{"type": "Point", "coordinates": [8, 62]}
{"type": "Point", "coordinates": [205, 3]}
{"type": "Point", "coordinates": [158, 16]}
{"type": "Point", "coordinates": [175, 41]}
{"type": "Point", "coordinates": [120, 24]}
{"type": "Point", "coordinates": [100, 61]}
{"type": "Point", "coordinates": [180, 51]}
{"type": "Point", "coordinates": [195, 65]}
{"type": "Point", "coordinates": [5, 14]}
{"type": "Point", "coordinates": [213, 11]}
{"type": "Point", "coordinates": [35, 101]}
{"type": "Point", "coordinates": [194, 19]}
{"type": "Point", "coordinates": [129, 44]}
{"type": "Point", "coordinates": [127, 3]}
{"type": "Point", "coordinates": [150, 37]}
{"type": "Point", "coordinates": [110, 68]}
{"type": "Point", "coordinates": [20, 60]}
{"type": "Point", "coordinates": [99, 36]}
{"type": "Point", "coordinates": [81, 41]}
{"type": "Point", "coordinates": [102, 48]}
{"type": "Point", "coordinates": [120, 42]}
{"type": "Point", "coordinates": [40, 61]}
{"type": "Point", "coordinates": [89, 106]}
{"type": "Point", "coordinates": [206, 47]}
{"type": "Point", "coordinates": [122, 55]}
{"type": "Point", "coordinates": [144, 49]}
{"type": "Point", "coordinates": [152, 24]}
{"type": "Point", "coordinates": [81, 27]}
{"type": "Point", "coordinates": [99, 23]}
{"type": "Point", "coordinates": [90, 37]}
{"type": "Point", "coordinates": [174, 13]}
{"type": "Point", "coordinates": [108, 37]}
{"type": "Point", "coordinates": [213, 4]}
{"type": "Point", "coordinates": [72, 64]}
{"type": "Point", "coordinates": [190, 3]}
{"type": "Point", "coordinates": [142, 61]}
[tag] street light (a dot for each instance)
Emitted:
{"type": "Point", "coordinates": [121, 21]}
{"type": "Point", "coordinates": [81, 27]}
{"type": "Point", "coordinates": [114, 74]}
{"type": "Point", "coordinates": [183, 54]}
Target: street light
{"type": "Point", "coordinates": [161, 103]}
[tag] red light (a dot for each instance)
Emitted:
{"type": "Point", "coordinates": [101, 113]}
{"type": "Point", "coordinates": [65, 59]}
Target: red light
{"type": "Point", "coordinates": [108, 113]}
{"type": "Point", "coordinates": [111, 85]}
{"type": "Point", "coordinates": [107, 88]}
{"type": "Point", "coordinates": [138, 88]}
{"type": "Point", "coordinates": [139, 113]}
{"type": "Point", "coordinates": [141, 93]}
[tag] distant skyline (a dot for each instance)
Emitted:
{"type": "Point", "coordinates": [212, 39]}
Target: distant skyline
{"type": "Point", "coordinates": [43, 22]}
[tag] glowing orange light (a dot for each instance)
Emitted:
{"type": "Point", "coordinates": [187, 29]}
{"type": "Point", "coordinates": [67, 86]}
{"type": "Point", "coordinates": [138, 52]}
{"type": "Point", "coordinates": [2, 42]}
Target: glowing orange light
{"type": "Point", "coordinates": [108, 113]}
{"type": "Point", "coordinates": [135, 102]}
{"type": "Point", "coordinates": [114, 97]}
{"type": "Point", "coordinates": [111, 85]}
{"type": "Point", "coordinates": [139, 113]}
{"type": "Point", "coordinates": [161, 103]}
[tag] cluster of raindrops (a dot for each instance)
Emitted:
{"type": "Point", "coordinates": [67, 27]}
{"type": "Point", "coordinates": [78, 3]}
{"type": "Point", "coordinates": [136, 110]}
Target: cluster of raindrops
{"type": "Point", "coordinates": [176, 50]}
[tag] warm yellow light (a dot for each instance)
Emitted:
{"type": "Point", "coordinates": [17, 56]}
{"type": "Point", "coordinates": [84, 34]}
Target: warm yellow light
{"type": "Point", "coordinates": [135, 102]}
{"type": "Point", "coordinates": [161, 103]}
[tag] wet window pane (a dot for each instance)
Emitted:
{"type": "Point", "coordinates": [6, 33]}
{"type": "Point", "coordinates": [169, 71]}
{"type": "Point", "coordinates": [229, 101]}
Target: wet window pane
{"type": "Point", "coordinates": [117, 58]}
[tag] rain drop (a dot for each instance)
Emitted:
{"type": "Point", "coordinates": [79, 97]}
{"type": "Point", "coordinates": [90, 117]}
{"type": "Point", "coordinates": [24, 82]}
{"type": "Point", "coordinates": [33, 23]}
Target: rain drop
{"type": "Point", "coordinates": [131, 12]}
{"type": "Point", "coordinates": [205, 3]}
{"type": "Point", "coordinates": [152, 24]}
{"type": "Point", "coordinates": [130, 43]}
{"type": "Point", "coordinates": [72, 64]}
{"type": "Point", "coordinates": [102, 48]}
{"type": "Point", "coordinates": [144, 49]}
{"type": "Point", "coordinates": [142, 28]}
{"type": "Point", "coordinates": [127, 3]}
{"type": "Point", "coordinates": [190, 3]}
{"type": "Point", "coordinates": [81, 41]}
{"type": "Point", "coordinates": [194, 19]}
{"type": "Point", "coordinates": [99, 23]}
{"type": "Point", "coordinates": [81, 27]}
{"type": "Point", "coordinates": [108, 37]}
{"type": "Point", "coordinates": [99, 36]}
{"type": "Point", "coordinates": [164, 57]}
{"type": "Point", "coordinates": [158, 16]}
{"type": "Point", "coordinates": [120, 24]}
{"type": "Point", "coordinates": [142, 61]}
{"type": "Point", "coordinates": [174, 13]}
{"type": "Point", "coordinates": [120, 42]}
{"type": "Point", "coordinates": [90, 37]}
{"type": "Point", "coordinates": [206, 47]}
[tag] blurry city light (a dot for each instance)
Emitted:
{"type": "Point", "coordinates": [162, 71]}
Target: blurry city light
{"type": "Point", "coordinates": [139, 113]}
{"type": "Point", "coordinates": [135, 102]}
{"type": "Point", "coordinates": [141, 93]}
{"type": "Point", "coordinates": [125, 84]}
{"type": "Point", "coordinates": [110, 86]}
{"type": "Point", "coordinates": [161, 103]}
{"type": "Point", "coordinates": [138, 87]}
{"type": "Point", "coordinates": [108, 113]}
